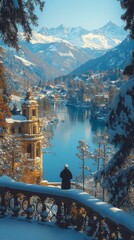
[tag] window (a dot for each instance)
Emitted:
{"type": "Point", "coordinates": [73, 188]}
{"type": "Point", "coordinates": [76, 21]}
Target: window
{"type": "Point", "coordinates": [29, 149]}
{"type": "Point", "coordinates": [12, 130]}
{"type": "Point", "coordinates": [33, 112]}
{"type": "Point", "coordinates": [37, 150]}
{"type": "Point", "coordinates": [19, 130]}
{"type": "Point", "coordinates": [33, 129]}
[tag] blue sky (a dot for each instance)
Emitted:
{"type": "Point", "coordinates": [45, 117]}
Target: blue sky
{"type": "Point", "coordinates": [89, 14]}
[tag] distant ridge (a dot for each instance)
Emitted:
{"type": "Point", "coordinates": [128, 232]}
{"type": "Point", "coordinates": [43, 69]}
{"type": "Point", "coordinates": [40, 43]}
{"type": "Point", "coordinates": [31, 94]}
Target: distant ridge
{"type": "Point", "coordinates": [117, 57]}
{"type": "Point", "coordinates": [105, 37]}
{"type": "Point", "coordinates": [58, 51]}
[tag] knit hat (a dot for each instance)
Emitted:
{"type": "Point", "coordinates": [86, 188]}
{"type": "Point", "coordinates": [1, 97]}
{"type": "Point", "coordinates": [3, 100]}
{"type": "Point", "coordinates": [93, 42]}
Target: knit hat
{"type": "Point", "coordinates": [66, 165]}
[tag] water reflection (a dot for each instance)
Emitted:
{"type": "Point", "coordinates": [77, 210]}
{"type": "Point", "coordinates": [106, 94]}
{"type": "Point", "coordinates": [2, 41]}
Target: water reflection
{"type": "Point", "coordinates": [77, 114]}
{"type": "Point", "coordinates": [73, 125]}
{"type": "Point", "coordinates": [96, 125]}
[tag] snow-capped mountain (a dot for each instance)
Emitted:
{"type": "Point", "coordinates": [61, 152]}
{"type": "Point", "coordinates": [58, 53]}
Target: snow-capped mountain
{"type": "Point", "coordinates": [61, 55]}
{"type": "Point", "coordinates": [118, 57]}
{"type": "Point", "coordinates": [39, 38]}
{"type": "Point", "coordinates": [72, 35]}
{"type": "Point", "coordinates": [111, 30]}
{"type": "Point", "coordinates": [42, 61]}
{"type": "Point", "coordinates": [105, 37]}
{"type": "Point", "coordinates": [58, 51]}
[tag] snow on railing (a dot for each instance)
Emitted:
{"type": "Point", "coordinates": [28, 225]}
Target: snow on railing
{"type": "Point", "coordinates": [72, 207]}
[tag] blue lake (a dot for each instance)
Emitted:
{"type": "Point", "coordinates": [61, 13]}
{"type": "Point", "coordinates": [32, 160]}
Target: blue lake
{"type": "Point", "coordinates": [73, 125]}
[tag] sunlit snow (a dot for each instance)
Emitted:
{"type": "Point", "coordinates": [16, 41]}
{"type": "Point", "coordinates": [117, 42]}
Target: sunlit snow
{"type": "Point", "coordinates": [25, 62]}
{"type": "Point", "coordinates": [39, 38]}
{"type": "Point", "coordinates": [67, 54]}
{"type": "Point", "coordinates": [97, 41]}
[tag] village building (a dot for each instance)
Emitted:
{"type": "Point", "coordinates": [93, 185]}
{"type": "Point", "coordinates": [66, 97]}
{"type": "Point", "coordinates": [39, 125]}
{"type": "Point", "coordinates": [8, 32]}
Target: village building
{"type": "Point", "coordinates": [27, 128]}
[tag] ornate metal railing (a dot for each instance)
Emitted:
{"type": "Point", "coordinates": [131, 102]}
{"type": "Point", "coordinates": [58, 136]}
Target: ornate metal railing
{"type": "Point", "coordinates": [65, 208]}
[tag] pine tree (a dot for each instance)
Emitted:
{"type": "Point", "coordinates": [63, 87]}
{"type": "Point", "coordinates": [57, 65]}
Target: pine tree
{"type": "Point", "coordinates": [119, 173]}
{"type": "Point", "coordinates": [15, 14]}
{"type": "Point", "coordinates": [128, 16]}
{"type": "Point", "coordinates": [4, 96]}
{"type": "Point", "coordinates": [83, 154]}
{"type": "Point", "coordinates": [12, 158]}
{"type": "Point", "coordinates": [14, 162]}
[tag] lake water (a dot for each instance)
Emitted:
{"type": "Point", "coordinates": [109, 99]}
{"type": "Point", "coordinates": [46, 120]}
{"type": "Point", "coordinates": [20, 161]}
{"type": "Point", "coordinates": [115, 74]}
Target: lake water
{"type": "Point", "coordinates": [73, 125]}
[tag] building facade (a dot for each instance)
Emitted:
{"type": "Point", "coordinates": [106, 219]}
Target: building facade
{"type": "Point", "coordinates": [27, 128]}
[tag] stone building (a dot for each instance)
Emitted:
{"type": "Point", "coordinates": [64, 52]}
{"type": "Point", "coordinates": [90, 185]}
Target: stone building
{"type": "Point", "coordinates": [27, 127]}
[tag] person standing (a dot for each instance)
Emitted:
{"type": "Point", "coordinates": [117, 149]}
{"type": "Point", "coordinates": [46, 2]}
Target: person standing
{"type": "Point", "coordinates": [66, 176]}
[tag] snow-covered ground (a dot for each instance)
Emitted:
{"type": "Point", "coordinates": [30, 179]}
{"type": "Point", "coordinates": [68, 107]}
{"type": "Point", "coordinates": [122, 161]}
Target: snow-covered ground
{"type": "Point", "coordinates": [12, 229]}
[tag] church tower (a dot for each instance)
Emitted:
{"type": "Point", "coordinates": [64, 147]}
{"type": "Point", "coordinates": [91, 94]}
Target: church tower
{"type": "Point", "coordinates": [27, 128]}
{"type": "Point", "coordinates": [32, 135]}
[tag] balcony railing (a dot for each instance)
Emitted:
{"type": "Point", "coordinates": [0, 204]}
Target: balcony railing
{"type": "Point", "coordinates": [31, 136]}
{"type": "Point", "coordinates": [66, 208]}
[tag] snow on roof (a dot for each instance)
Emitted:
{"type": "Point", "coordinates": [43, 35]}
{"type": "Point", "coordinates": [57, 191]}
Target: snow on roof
{"type": "Point", "coordinates": [16, 118]}
{"type": "Point", "coordinates": [16, 98]}
{"type": "Point", "coordinates": [104, 209]}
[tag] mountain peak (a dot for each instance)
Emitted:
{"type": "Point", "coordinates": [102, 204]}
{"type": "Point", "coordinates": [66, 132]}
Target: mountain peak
{"type": "Point", "coordinates": [111, 30]}
{"type": "Point", "coordinates": [61, 26]}
{"type": "Point", "coordinates": [43, 31]}
{"type": "Point", "coordinates": [105, 37]}
{"type": "Point", "coordinates": [110, 23]}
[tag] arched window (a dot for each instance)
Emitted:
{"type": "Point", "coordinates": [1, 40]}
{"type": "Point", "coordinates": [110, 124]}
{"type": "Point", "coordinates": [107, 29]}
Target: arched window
{"type": "Point", "coordinates": [34, 112]}
{"type": "Point", "coordinates": [37, 150]}
{"type": "Point", "coordinates": [29, 149]}
{"type": "Point", "coordinates": [33, 129]}
{"type": "Point", "coordinates": [12, 130]}
{"type": "Point", "coordinates": [19, 130]}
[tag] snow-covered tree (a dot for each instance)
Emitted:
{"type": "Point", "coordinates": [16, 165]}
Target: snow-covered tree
{"type": "Point", "coordinates": [4, 96]}
{"type": "Point", "coordinates": [12, 157]}
{"type": "Point", "coordinates": [14, 14]}
{"type": "Point", "coordinates": [101, 155]}
{"type": "Point", "coordinates": [104, 150]}
{"type": "Point", "coordinates": [83, 154]}
{"type": "Point", "coordinates": [119, 173]}
{"type": "Point", "coordinates": [14, 162]}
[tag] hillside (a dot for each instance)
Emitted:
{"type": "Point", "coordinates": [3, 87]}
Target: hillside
{"type": "Point", "coordinates": [57, 51]}
{"type": "Point", "coordinates": [117, 57]}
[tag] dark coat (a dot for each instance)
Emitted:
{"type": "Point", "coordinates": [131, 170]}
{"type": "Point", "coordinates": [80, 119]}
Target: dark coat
{"type": "Point", "coordinates": [66, 176]}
